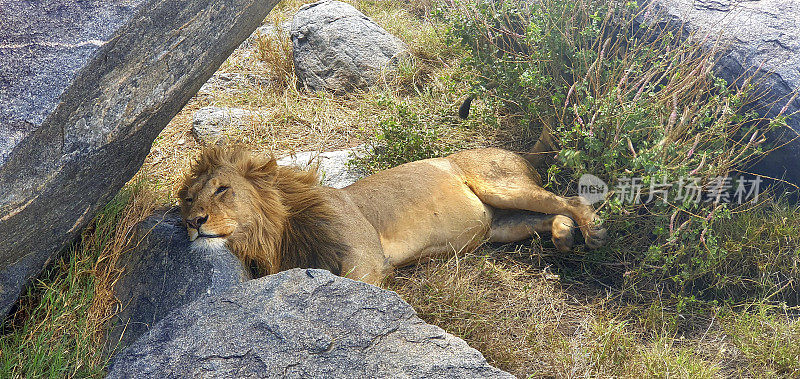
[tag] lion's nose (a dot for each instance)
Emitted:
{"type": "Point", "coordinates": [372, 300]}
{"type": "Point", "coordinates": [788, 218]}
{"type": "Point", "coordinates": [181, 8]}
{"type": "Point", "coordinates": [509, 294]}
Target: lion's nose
{"type": "Point", "coordinates": [197, 222]}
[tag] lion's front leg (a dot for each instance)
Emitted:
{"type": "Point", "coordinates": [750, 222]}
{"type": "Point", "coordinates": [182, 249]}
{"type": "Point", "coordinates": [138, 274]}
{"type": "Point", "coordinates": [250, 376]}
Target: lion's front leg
{"type": "Point", "coordinates": [512, 226]}
{"type": "Point", "coordinates": [370, 271]}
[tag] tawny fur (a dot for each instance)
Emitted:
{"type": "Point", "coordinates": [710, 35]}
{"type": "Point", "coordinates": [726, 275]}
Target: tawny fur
{"type": "Point", "coordinates": [276, 218]}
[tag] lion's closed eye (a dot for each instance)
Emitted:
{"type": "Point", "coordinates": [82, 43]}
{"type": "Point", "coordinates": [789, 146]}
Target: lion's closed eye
{"type": "Point", "coordinates": [221, 189]}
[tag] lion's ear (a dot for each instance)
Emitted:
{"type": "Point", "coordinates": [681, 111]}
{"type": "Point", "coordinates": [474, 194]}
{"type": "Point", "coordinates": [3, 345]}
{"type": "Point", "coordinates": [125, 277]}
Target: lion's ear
{"type": "Point", "coordinates": [259, 167]}
{"type": "Point", "coordinates": [182, 192]}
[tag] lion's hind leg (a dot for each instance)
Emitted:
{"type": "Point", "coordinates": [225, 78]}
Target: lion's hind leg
{"type": "Point", "coordinates": [512, 226]}
{"type": "Point", "coordinates": [536, 199]}
{"type": "Point", "coordinates": [505, 180]}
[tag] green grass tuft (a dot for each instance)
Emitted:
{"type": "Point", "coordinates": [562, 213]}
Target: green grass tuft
{"type": "Point", "coordinates": [768, 340]}
{"type": "Point", "coordinates": [403, 136]}
{"type": "Point", "coordinates": [58, 328]}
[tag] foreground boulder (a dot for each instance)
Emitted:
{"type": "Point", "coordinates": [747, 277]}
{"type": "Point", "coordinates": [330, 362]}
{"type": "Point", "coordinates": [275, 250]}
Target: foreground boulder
{"type": "Point", "coordinates": [300, 323]}
{"type": "Point", "coordinates": [757, 37]}
{"type": "Point", "coordinates": [85, 87]}
{"type": "Point", "coordinates": [162, 273]}
{"type": "Point", "coordinates": [333, 166]}
{"type": "Point", "coordinates": [338, 49]}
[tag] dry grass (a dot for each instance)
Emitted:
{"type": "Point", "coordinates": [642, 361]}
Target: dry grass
{"type": "Point", "coordinates": [520, 317]}
{"type": "Point", "coordinates": [769, 340]}
{"type": "Point", "coordinates": [274, 50]}
{"type": "Point", "coordinates": [533, 323]}
{"type": "Point", "coordinates": [511, 313]}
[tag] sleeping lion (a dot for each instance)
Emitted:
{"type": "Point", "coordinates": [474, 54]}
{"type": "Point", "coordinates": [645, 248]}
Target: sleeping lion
{"type": "Point", "coordinates": [276, 218]}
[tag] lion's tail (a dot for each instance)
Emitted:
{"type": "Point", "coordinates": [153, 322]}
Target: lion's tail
{"type": "Point", "coordinates": [543, 151]}
{"type": "Point", "coordinates": [463, 110]}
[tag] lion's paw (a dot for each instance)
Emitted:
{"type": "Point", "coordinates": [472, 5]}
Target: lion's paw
{"type": "Point", "coordinates": [563, 228]}
{"type": "Point", "coordinates": [595, 237]}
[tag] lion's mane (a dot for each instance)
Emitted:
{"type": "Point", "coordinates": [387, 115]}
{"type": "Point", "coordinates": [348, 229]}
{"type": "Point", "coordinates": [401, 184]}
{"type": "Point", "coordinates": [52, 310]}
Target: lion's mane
{"type": "Point", "coordinates": [291, 224]}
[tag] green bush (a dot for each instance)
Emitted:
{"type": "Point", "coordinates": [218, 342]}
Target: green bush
{"type": "Point", "coordinates": [403, 136]}
{"type": "Point", "coordinates": [627, 101]}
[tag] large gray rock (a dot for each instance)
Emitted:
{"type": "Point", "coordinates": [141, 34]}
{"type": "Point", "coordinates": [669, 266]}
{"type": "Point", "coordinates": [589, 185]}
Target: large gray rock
{"type": "Point", "coordinates": [85, 87]}
{"type": "Point", "coordinates": [300, 324]}
{"type": "Point", "coordinates": [211, 125]}
{"type": "Point", "coordinates": [333, 166]}
{"type": "Point", "coordinates": [756, 36]}
{"type": "Point", "coordinates": [338, 49]}
{"type": "Point", "coordinates": [162, 273]}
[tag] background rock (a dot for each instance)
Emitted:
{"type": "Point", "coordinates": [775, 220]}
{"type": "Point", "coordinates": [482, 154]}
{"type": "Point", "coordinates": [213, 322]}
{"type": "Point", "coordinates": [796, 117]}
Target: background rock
{"type": "Point", "coordinates": [300, 323]}
{"type": "Point", "coordinates": [333, 165]}
{"type": "Point", "coordinates": [338, 49]}
{"type": "Point", "coordinates": [233, 82]}
{"type": "Point", "coordinates": [210, 124]}
{"type": "Point", "coordinates": [85, 87]}
{"type": "Point", "coordinates": [267, 30]}
{"type": "Point", "coordinates": [755, 35]}
{"type": "Point", "coordinates": [162, 273]}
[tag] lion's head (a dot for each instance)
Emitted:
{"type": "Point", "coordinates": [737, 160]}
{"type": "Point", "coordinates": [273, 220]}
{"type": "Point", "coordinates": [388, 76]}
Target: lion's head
{"type": "Point", "coordinates": [246, 202]}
